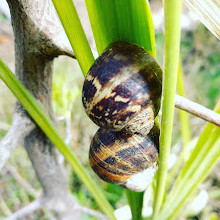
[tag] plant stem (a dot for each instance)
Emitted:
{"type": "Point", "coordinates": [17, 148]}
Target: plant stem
{"type": "Point", "coordinates": [172, 11]}
{"type": "Point", "coordinates": [135, 200]}
{"type": "Point", "coordinates": [183, 116]}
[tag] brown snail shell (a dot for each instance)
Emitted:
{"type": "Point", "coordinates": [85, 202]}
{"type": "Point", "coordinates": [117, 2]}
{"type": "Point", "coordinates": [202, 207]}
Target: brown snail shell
{"type": "Point", "coordinates": [121, 94]}
{"type": "Point", "coordinates": [122, 89]}
{"type": "Point", "coordinates": [125, 159]}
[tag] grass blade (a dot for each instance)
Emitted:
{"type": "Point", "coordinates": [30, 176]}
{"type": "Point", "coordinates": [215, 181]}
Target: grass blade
{"type": "Point", "coordinates": [121, 20]}
{"type": "Point", "coordinates": [74, 31]}
{"type": "Point", "coordinates": [204, 156]}
{"type": "Point", "coordinates": [184, 129]}
{"type": "Point", "coordinates": [183, 116]}
{"type": "Point", "coordinates": [172, 11]}
{"type": "Point", "coordinates": [41, 118]}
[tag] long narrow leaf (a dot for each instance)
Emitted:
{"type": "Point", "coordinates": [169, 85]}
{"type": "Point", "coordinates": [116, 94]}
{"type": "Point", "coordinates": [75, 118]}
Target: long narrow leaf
{"type": "Point", "coordinates": [74, 31]}
{"type": "Point", "coordinates": [172, 11]}
{"type": "Point", "coordinates": [41, 118]}
{"type": "Point", "coordinates": [203, 158]}
{"type": "Point", "coordinates": [185, 130]}
{"type": "Point", "coordinates": [121, 20]}
{"type": "Point", "coordinates": [183, 116]}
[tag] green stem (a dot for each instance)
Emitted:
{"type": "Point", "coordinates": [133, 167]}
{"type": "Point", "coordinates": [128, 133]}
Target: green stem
{"type": "Point", "coordinates": [37, 112]}
{"type": "Point", "coordinates": [135, 201]}
{"type": "Point", "coordinates": [172, 11]}
{"type": "Point", "coordinates": [183, 116]}
{"type": "Point", "coordinates": [184, 129]}
{"type": "Point", "coordinates": [74, 31]}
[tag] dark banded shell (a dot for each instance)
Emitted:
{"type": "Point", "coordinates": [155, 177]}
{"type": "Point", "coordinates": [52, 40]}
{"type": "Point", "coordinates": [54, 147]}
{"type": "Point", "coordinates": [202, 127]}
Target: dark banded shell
{"type": "Point", "coordinates": [122, 90]}
{"type": "Point", "coordinates": [116, 156]}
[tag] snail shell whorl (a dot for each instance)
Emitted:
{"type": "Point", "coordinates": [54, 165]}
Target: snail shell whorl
{"type": "Point", "coordinates": [117, 156]}
{"type": "Point", "coordinates": [121, 94]}
{"type": "Point", "coordinates": [122, 89]}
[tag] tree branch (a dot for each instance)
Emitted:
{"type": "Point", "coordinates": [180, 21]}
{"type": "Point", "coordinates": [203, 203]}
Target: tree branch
{"type": "Point", "coordinates": [4, 126]}
{"type": "Point", "coordinates": [20, 180]}
{"type": "Point", "coordinates": [197, 110]}
{"type": "Point", "coordinates": [91, 212]}
{"type": "Point", "coordinates": [68, 131]}
{"type": "Point", "coordinates": [4, 207]}
{"type": "Point", "coordinates": [34, 52]}
{"type": "Point", "coordinates": [56, 39]}
{"type": "Point", "coordinates": [51, 204]}
{"type": "Point", "coordinates": [21, 127]}
{"type": "Point", "coordinates": [27, 210]}
{"type": "Point", "coordinates": [47, 33]}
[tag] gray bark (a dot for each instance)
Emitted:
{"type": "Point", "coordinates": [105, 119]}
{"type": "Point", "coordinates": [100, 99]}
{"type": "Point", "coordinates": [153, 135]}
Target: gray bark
{"type": "Point", "coordinates": [36, 29]}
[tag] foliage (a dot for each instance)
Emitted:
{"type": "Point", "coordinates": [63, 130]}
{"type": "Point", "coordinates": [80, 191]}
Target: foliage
{"type": "Point", "coordinates": [65, 89]}
{"type": "Point", "coordinates": [199, 165]}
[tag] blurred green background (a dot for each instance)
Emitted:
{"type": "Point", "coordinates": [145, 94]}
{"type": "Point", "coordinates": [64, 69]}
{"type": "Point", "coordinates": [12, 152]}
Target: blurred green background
{"type": "Point", "coordinates": [200, 52]}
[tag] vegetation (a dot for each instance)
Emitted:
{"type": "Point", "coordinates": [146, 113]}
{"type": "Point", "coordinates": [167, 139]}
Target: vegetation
{"type": "Point", "coordinates": [193, 164]}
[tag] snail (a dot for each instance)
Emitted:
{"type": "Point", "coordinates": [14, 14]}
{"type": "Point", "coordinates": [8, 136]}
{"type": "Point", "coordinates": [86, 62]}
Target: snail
{"type": "Point", "coordinates": [128, 160]}
{"type": "Point", "coordinates": [121, 94]}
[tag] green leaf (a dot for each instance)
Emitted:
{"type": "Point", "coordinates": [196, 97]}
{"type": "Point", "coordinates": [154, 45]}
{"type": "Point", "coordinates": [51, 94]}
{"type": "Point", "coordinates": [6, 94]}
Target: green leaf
{"type": "Point", "coordinates": [121, 20]}
{"type": "Point", "coordinates": [204, 156]}
{"type": "Point", "coordinates": [39, 115]}
{"type": "Point", "coordinates": [185, 131]}
{"type": "Point", "coordinates": [172, 12]}
{"type": "Point", "coordinates": [74, 31]}
{"type": "Point", "coordinates": [183, 116]}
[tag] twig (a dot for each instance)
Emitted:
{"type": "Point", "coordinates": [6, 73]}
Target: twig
{"type": "Point", "coordinates": [91, 212]}
{"type": "Point", "coordinates": [68, 136]}
{"type": "Point", "coordinates": [68, 131]}
{"type": "Point", "coordinates": [55, 34]}
{"type": "Point", "coordinates": [21, 126]}
{"type": "Point", "coordinates": [43, 202]}
{"type": "Point", "coordinates": [4, 207]}
{"type": "Point", "coordinates": [27, 210]}
{"type": "Point", "coordinates": [197, 110]}
{"type": "Point", "coordinates": [4, 126]}
{"type": "Point", "coordinates": [20, 180]}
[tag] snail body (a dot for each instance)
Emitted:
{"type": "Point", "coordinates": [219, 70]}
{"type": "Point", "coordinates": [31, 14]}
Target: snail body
{"type": "Point", "coordinates": [121, 94]}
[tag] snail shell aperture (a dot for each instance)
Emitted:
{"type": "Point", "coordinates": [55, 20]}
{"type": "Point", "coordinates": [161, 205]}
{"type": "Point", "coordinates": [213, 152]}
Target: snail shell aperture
{"type": "Point", "coordinates": [121, 94]}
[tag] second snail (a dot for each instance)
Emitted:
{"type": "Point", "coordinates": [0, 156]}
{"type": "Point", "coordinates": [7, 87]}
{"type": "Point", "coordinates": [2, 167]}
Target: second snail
{"type": "Point", "coordinates": [121, 94]}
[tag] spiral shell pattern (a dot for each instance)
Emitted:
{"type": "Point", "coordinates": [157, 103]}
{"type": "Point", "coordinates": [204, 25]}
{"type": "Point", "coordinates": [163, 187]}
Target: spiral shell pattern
{"type": "Point", "coordinates": [121, 94]}
{"type": "Point", "coordinates": [122, 89]}
{"type": "Point", "coordinates": [116, 156]}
